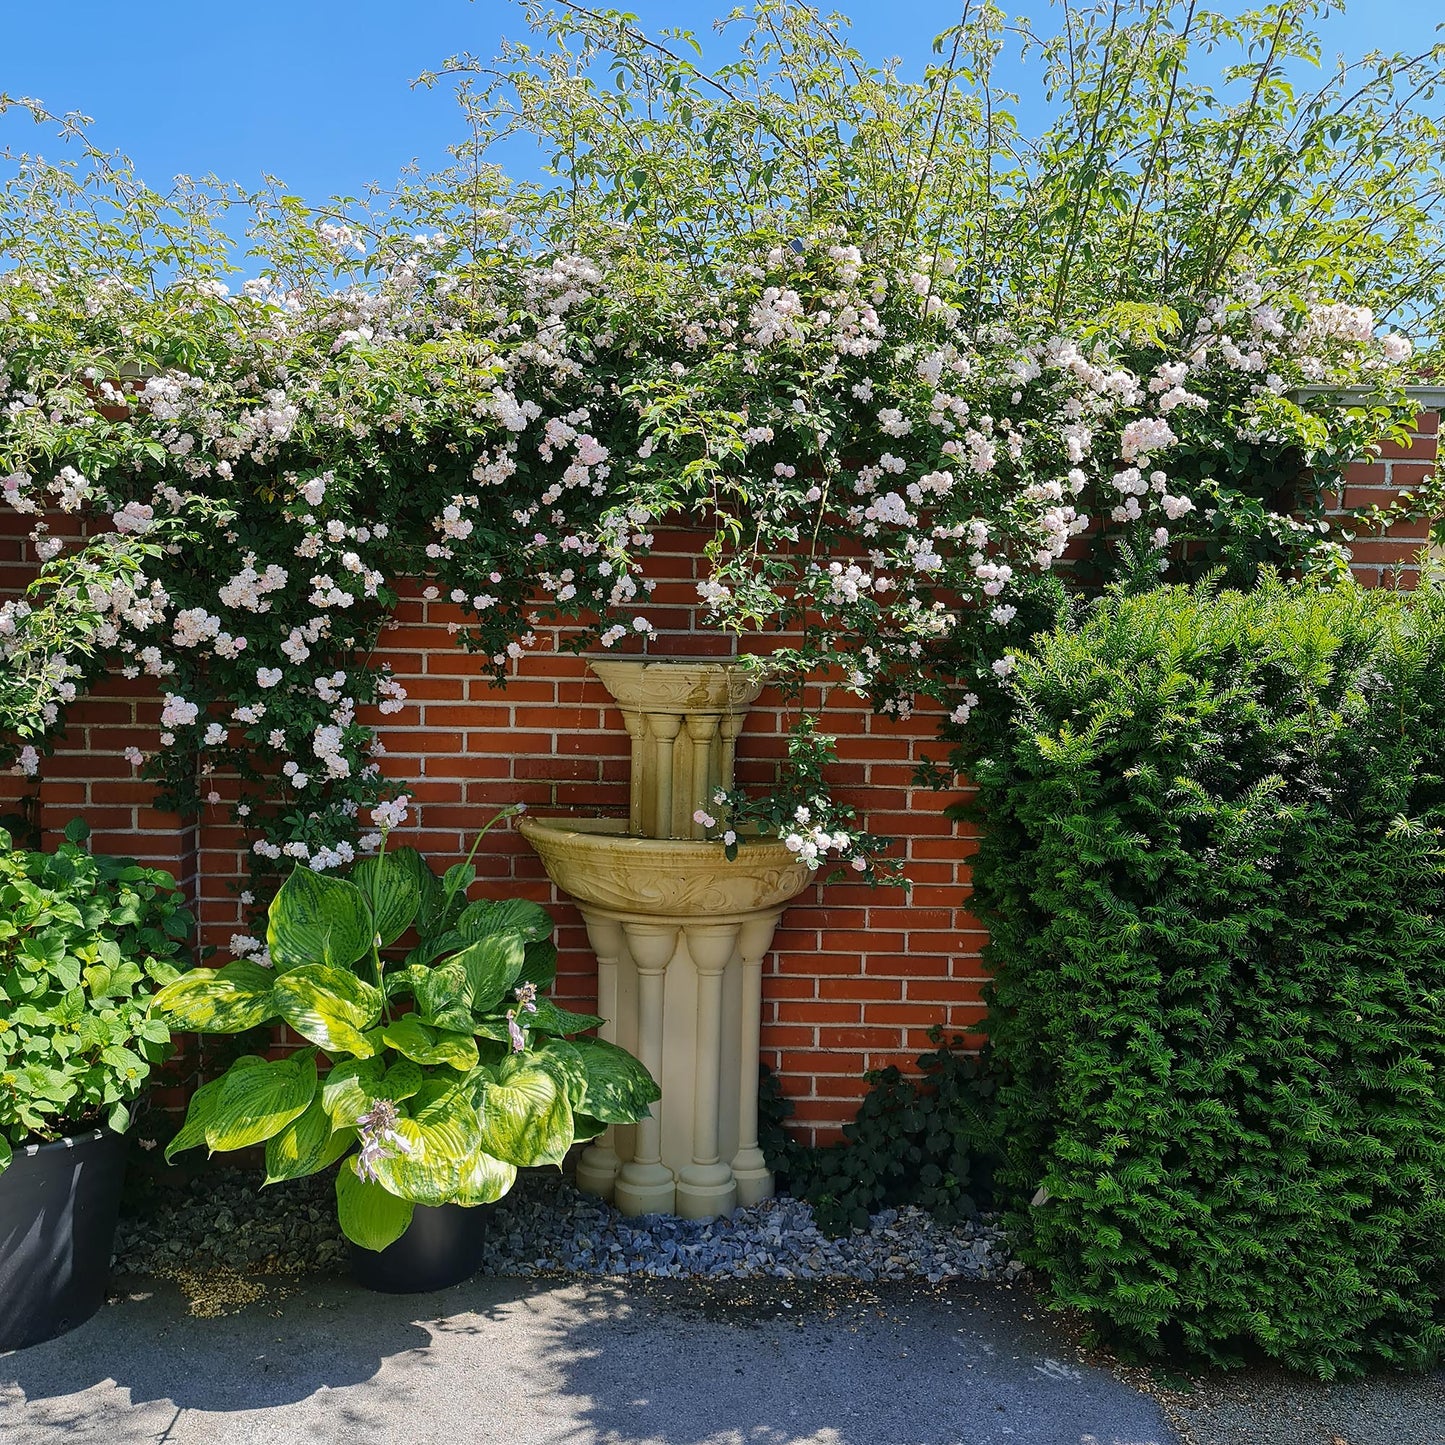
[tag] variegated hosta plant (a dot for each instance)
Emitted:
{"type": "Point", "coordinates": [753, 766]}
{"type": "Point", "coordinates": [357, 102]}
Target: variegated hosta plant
{"type": "Point", "coordinates": [431, 1080]}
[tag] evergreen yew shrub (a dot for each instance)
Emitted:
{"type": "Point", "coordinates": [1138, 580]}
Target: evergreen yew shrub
{"type": "Point", "coordinates": [1214, 877]}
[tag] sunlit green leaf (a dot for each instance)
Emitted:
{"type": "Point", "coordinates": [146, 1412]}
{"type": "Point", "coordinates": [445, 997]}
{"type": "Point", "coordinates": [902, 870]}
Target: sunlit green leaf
{"type": "Point", "coordinates": [329, 1006]}
{"type": "Point", "coordinates": [391, 889]}
{"type": "Point", "coordinates": [442, 1139]}
{"type": "Point", "coordinates": [218, 1001]}
{"type": "Point", "coordinates": [619, 1088]}
{"type": "Point", "coordinates": [426, 1045]}
{"type": "Point", "coordinates": [530, 921]}
{"type": "Point", "coordinates": [527, 1120]}
{"type": "Point", "coordinates": [318, 919]}
{"type": "Point", "coordinates": [370, 1216]}
{"type": "Point", "coordinates": [258, 1101]}
{"type": "Point", "coordinates": [306, 1145]}
{"type": "Point", "coordinates": [492, 965]}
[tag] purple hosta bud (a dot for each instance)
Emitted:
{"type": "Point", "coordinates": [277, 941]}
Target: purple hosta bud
{"type": "Point", "coordinates": [379, 1137]}
{"type": "Point", "coordinates": [519, 1039]}
{"type": "Point", "coordinates": [526, 994]}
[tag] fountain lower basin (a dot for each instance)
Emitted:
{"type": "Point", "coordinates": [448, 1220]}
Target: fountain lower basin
{"type": "Point", "coordinates": [599, 862]}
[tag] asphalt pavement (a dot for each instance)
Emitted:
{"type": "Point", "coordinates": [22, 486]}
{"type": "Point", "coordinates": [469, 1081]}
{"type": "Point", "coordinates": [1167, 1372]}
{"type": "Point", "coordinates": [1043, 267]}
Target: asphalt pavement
{"type": "Point", "coordinates": [528, 1362]}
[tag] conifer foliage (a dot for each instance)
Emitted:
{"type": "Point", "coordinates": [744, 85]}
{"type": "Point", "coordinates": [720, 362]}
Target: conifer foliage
{"type": "Point", "coordinates": [1214, 877]}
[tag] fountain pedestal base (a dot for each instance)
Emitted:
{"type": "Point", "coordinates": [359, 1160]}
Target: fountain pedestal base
{"type": "Point", "coordinates": [645, 1189]}
{"type": "Point", "coordinates": [753, 1177]}
{"type": "Point", "coordinates": [706, 1191]}
{"type": "Point", "coordinates": [597, 1169]}
{"type": "Point", "coordinates": [682, 982]}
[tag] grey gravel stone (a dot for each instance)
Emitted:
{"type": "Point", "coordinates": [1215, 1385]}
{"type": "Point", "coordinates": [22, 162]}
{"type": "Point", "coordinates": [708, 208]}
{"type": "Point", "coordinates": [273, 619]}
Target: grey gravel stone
{"type": "Point", "coordinates": [1272, 1407]}
{"type": "Point", "coordinates": [545, 1227]}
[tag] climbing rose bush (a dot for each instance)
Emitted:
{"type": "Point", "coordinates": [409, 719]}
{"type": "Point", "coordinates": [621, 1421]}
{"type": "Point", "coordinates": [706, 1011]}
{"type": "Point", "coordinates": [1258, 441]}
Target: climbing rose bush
{"type": "Point", "coordinates": [500, 392]}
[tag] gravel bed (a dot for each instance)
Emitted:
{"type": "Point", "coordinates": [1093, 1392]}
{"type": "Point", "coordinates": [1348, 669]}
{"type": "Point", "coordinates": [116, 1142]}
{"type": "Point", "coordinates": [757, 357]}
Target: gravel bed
{"type": "Point", "coordinates": [554, 1229]}
{"type": "Point", "coordinates": [224, 1220]}
{"type": "Point", "coordinates": [1272, 1407]}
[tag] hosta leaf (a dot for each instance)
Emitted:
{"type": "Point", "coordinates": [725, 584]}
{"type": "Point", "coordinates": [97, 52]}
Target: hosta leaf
{"type": "Point", "coordinates": [539, 964]}
{"type": "Point", "coordinates": [369, 1215]}
{"type": "Point", "coordinates": [403, 1080]}
{"type": "Point", "coordinates": [484, 1180]}
{"type": "Point", "coordinates": [401, 982]}
{"type": "Point", "coordinates": [441, 993]}
{"type": "Point", "coordinates": [435, 1096]}
{"type": "Point", "coordinates": [258, 1101]}
{"type": "Point", "coordinates": [458, 878]}
{"type": "Point", "coordinates": [329, 1006]}
{"type": "Point", "coordinates": [392, 891]}
{"type": "Point", "coordinates": [560, 1059]}
{"type": "Point", "coordinates": [429, 888]}
{"type": "Point", "coordinates": [201, 1107]}
{"type": "Point", "coordinates": [549, 1019]}
{"type": "Point", "coordinates": [530, 921]}
{"type": "Point", "coordinates": [228, 1000]}
{"type": "Point", "coordinates": [619, 1088]}
{"type": "Point", "coordinates": [527, 1120]}
{"type": "Point", "coordinates": [444, 1138]}
{"type": "Point", "coordinates": [198, 1115]}
{"type": "Point", "coordinates": [307, 1144]}
{"type": "Point", "coordinates": [433, 946]}
{"type": "Point", "coordinates": [492, 965]}
{"type": "Point", "coordinates": [348, 1090]}
{"type": "Point", "coordinates": [353, 1086]}
{"type": "Point", "coordinates": [318, 919]}
{"type": "Point", "coordinates": [426, 1045]}
{"type": "Point", "coordinates": [493, 1028]}
{"type": "Point", "coordinates": [491, 1052]}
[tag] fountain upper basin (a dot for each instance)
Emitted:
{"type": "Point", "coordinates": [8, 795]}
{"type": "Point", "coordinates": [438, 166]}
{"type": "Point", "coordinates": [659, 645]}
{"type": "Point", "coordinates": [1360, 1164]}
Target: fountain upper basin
{"type": "Point", "coordinates": [598, 862]}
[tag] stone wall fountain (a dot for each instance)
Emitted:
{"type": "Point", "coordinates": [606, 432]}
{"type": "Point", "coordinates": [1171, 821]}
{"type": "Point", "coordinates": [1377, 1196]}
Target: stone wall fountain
{"type": "Point", "coordinates": [680, 935]}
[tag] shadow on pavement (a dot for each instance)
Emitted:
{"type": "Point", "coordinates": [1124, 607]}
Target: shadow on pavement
{"type": "Point", "coordinates": [272, 1352]}
{"type": "Point", "coordinates": [534, 1362]}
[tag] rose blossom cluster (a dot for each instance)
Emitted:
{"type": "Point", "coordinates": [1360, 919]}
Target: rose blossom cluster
{"type": "Point", "coordinates": [880, 475]}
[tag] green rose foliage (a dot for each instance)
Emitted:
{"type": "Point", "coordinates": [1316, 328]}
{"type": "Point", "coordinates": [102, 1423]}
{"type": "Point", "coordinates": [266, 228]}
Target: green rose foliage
{"type": "Point", "coordinates": [83, 942]}
{"type": "Point", "coordinates": [1213, 877]}
{"type": "Point", "coordinates": [431, 1079]}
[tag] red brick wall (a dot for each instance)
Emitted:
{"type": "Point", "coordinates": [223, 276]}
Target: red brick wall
{"type": "Point", "coordinates": [1392, 559]}
{"type": "Point", "coordinates": [858, 975]}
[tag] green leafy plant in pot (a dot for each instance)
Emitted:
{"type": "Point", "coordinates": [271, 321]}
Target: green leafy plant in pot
{"type": "Point", "coordinates": [84, 942]}
{"type": "Point", "coordinates": [428, 1081]}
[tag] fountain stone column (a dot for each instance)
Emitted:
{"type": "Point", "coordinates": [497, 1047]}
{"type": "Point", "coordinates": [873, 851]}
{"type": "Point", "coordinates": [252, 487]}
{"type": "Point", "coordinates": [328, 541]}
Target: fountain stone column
{"type": "Point", "coordinates": [680, 932]}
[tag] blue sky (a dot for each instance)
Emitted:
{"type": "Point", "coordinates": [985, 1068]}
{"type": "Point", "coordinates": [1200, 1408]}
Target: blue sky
{"type": "Point", "coordinates": [318, 91]}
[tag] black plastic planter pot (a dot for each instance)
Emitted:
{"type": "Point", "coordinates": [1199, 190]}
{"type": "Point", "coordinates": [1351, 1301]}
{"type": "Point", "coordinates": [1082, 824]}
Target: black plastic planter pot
{"type": "Point", "coordinates": [442, 1246]}
{"type": "Point", "coordinates": [58, 1207]}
